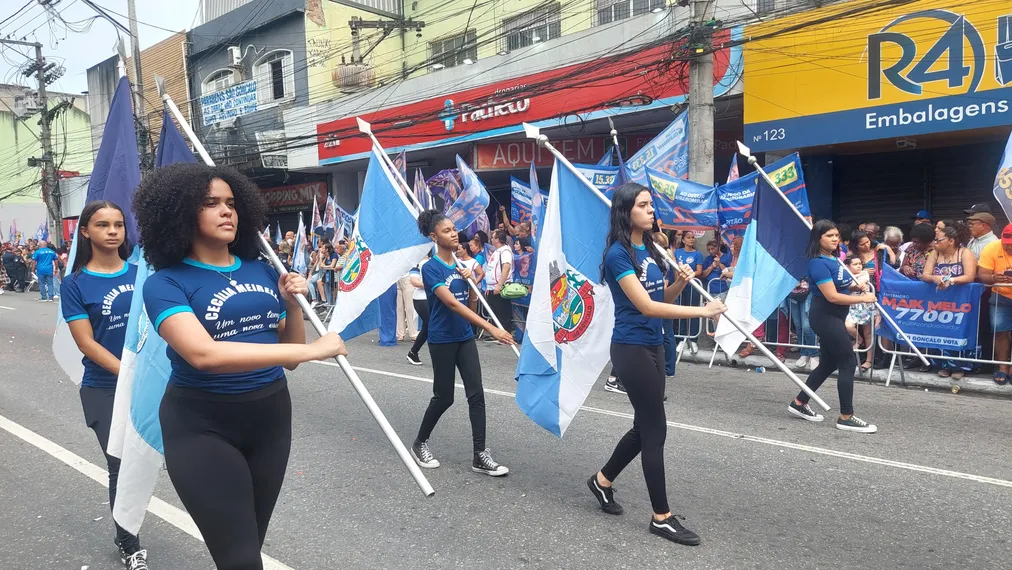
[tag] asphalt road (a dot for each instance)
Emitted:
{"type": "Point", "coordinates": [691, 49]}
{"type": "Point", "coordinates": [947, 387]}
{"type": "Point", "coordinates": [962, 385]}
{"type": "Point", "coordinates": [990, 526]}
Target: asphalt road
{"type": "Point", "coordinates": [932, 489]}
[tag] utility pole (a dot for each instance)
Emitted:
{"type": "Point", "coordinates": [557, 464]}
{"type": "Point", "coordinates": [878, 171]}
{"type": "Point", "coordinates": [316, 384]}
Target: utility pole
{"type": "Point", "coordinates": [142, 130]}
{"type": "Point", "coordinates": [50, 183]}
{"type": "Point", "coordinates": [701, 93]}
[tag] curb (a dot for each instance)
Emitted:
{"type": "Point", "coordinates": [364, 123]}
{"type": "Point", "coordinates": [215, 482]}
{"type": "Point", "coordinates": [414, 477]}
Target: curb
{"type": "Point", "coordinates": [914, 379]}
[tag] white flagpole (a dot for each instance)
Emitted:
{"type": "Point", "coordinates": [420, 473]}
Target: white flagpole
{"type": "Point", "coordinates": [535, 133]}
{"type": "Point", "coordinates": [342, 361]}
{"type": "Point", "coordinates": [747, 153]}
{"type": "Point", "coordinates": [367, 129]}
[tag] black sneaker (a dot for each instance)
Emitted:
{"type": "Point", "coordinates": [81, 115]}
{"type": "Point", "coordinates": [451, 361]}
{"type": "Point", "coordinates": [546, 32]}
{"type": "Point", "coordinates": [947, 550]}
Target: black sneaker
{"type": "Point", "coordinates": [614, 384]}
{"type": "Point", "coordinates": [804, 412]}
{"type": "Point", "coordinates": [483, 463]}
{"type": "Point", "coordinates": [605, 496]}
{"type": "Point", "coordinates": [413, 359]}
{"type": "Point", "coordinates": [854, 423]}
{"type": "Point", "coordinates": [673, 530]}
{"type": "Point", "coordinates": [138, 560]}
{"type": "Point", "coordinates": [423, 456]}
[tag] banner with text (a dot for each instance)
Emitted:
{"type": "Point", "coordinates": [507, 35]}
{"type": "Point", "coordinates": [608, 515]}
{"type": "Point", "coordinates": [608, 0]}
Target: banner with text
{"type": "Point", "coordinates": [520, 201]}
{"type": "Point", "coordinates": [681, 204]}
{"type": "Point", "coordinates": [229, 103]}
{"type": "Point", "coordinates": [668, 152]}
{"type": "Point", "coordinates": [735, 197]}
{"type": "Point", "coordinates": [944, 320]}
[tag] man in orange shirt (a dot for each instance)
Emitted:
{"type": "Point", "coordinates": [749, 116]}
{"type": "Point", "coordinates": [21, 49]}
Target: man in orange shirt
{"type": "Point", "coordinates": [995, 268]}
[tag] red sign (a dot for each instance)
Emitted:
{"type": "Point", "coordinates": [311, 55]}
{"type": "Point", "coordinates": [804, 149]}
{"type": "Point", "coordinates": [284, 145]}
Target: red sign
{"type": "Point", "coordinates": [69, 227]}
{"type": "Point", "coordinates": [295, 195]}
{"type": "Point", "coordinates": [514, 155]}
{"type": "Point", "coordinates": [634, 78]}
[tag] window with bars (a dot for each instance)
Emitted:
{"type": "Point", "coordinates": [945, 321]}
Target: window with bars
{"type": "Point", "coordinates": [454, 50]}
{"type": "Point", "coordinates": [609, 11]}
{"type": "Point", "coordinates": [763, 7]}
{"type": "Point", "coordinates": [217, 81]}
{"type": "Point", "coordinates": [275, 76]}
{"type": "Point", "coordinates": [529, 28]}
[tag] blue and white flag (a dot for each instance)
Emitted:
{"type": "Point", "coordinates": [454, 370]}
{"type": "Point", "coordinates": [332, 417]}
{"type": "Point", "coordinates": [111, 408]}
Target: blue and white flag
{"type": "Point", "coordinates": [1003, 180]}
{"type": "Point", "coordinates": [538, 203]}
{"type": "Point", "coordinates": [299, 258]}
{"type": "Point", "coordinates": [571, 316]}
{"type": "Point", "coordinates": [520, 201]}
{"type": "Point", "coordinates": [116, 175]}
{"type": "Point", "coordinates": [278, 236]}
{"type": "Point", "coordinates": [385, 246]}
{"type": "Point", "coordinates": [316, 224]}
{"type": "Point", "coordinates": [135, 435]}
{"type": "Point", "coordinates": [606, 160]}
{"type": "Point", "coordinates": [681, 204]}
{"type": "Point", "coordinates": [422, 193]}
{"type": "Point", "coordinates": [668, 152]}
{"type": "Point", "coordinates": [771, 263]}
{"type": "Point", "coordinates": [330, 219]}
{"type": "Point", "coordinates": [472, 201]}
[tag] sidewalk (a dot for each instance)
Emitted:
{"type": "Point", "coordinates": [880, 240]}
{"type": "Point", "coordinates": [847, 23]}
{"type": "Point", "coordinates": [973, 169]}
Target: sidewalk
{"type": "Point", "coordinates": [969, 384]}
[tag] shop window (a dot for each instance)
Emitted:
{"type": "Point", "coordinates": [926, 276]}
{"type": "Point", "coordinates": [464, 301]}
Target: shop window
{"type": "Point", "coordinates": [217, 81]}
{"type": "Point", "coordinates": [275, 76]}
{"type": "Point", "coordinates": [454, 50]}
{"type": "Point", "coordinates": [609, 11]}
{"type": "Point", "coordinates": [531, 27]}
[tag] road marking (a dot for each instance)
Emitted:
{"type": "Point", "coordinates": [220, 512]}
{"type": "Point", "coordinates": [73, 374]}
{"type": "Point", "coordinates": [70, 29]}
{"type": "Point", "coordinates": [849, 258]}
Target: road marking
{"type": "Point", "coordinates": [739, 436]}
{"type": "Point", "coordinates": [168, 513]}
{"type": "Point", "coordinates": [8, 308]}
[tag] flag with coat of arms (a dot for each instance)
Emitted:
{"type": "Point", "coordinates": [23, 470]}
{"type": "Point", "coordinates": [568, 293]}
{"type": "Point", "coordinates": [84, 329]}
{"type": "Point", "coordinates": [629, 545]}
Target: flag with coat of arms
{"type": "Point", "coordinates": [572, 314]}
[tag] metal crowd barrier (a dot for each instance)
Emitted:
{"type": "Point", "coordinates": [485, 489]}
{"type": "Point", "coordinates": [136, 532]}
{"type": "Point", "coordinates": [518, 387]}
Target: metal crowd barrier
{"type": "Point", "coordinates": [679, 325]}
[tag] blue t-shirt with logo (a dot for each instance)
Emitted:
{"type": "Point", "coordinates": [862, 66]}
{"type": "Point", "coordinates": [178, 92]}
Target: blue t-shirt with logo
{"type": "Point", "coordinates": [445, 326]}
{"type": "Point", "coordinates": [238, 303]}
{"type": "Point", "coordinates": [631, 327]}
{"type": "Point", "coordinates": [714, 274]}
{"type": "Point", "coordinates": [690, 258]}
{"type": "Point", "coordinates": [44, 258]}
{"type": "Point", "coordinates": [824, 269]}
{"type": "Point", "coordinates": [104, 299]}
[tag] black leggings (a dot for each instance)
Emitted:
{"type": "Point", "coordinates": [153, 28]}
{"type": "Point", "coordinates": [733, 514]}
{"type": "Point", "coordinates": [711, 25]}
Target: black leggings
{"type": "Point", "coordinates": [422, 308]}
{"type": "Point", "coordinates": [464, 357]}
{"type": "Point", "coordinates": [97, 404]}
{"type": "Point", "coordinates": [836, 352]}
{"type": "Point", "coordinates": [503, 309]}
{"type": "Point", "coordinates": [226, 455]}
{"type": "Point", "coordinates": [641, 369]}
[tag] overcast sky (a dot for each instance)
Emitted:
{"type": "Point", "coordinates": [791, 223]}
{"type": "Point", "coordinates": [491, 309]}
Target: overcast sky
{"type": "Point", "coordinates": [79, 51]}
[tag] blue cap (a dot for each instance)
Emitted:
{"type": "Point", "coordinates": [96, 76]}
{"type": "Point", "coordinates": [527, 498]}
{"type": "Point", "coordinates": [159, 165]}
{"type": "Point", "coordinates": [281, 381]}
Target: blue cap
{"type": "Point", "coordinates": [922, 214]}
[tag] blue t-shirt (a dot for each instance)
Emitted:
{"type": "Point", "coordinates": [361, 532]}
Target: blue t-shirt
{"type": "Point", "coordinates": [249, 310]}
{"type": "Point", "coordinates": [692, 259]}
{"type": "Point", "coordinates": [714, 274]}
{"type": "Point", "coordinates": [631, 327]}
{"type": "Point", "coordinates": [44, 258]}
{"type": "Point", "coordinates": [824, 269]}
{"type": "Point", "coordinates": [104, 299]}
{"type": "Point", "coordinates": [445, 326]}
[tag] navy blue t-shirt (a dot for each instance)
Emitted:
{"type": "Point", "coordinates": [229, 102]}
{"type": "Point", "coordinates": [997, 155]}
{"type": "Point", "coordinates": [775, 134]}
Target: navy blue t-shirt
{"type": "Point", "coordinates": [824, 269]}
{"type": "Point", "coordinates": [692, 259]}
{"type": "Point", "coordinates": [714, 274]}
{"type": "Point", "coordinates": [104, 299]}
{"type": "Point", "coordinates": [631, 327]}
{"type": "Point", "coordinates": [247, 309]}
{"type": "Point", "coordinates": [445, 326]}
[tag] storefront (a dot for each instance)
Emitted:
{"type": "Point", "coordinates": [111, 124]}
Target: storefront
{"type": "Point", "coordinates": [896, 110]}
{"type": "Point", "coordinates": [286, 202]}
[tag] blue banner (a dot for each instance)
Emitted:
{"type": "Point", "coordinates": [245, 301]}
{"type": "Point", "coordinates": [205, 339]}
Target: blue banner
{"type": "Point", "coordinates": [1003, 180]}
{"type": "Point", "coordinates": [944, 319]}
{"type": "Point", "coordinates": [668, 152]}
{"type": "Point", "coordinates": [601, 176]}
{"type": "Point", "coordinates": [735, 197]}
{"type": "Point", "coordinates": [472, 200]}
{"type": "Point", "coordinates": [520, 201]}
{"type": "Point", "coordinates": [681, 204]}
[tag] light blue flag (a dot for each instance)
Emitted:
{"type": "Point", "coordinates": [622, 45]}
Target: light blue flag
{"type": "Point", "coordinates": [278, 236]}
{"type": "Point", "coordinates": [538, 203]}
{"type": "Point", "coordinates": [771, 263]}
{"type": "Point", "coordinates": [1003, 181]}
{"type": "Point", "coordinates": [668, 152]}
{"type": "Point", "coordinates": [571, 316]}
{"type": "Point", "coordinates": [472, 201]}
{"type": "Point", "coordinates": [606, 160]}
{"type": "Point", "coordinates": [385, 246]}
{"type": "Point", "coordinates": [135, 435]}
{"type": "Point", "coordinates": [299, 259]}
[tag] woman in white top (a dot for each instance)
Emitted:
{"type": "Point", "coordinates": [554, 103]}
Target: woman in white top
{"type": "Point", "coordinates": [500, 271]}
{"type": "Point", "coordinates": [418, 300]}
{"type": "Point", "coordinates": [464, 255]}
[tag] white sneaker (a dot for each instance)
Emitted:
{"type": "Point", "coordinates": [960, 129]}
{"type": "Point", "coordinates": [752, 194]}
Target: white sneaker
{"type": "Point", "coordinates": [693, 347]}
{"type": "Point", "coordinates": [680, 347]}
{"type": "Point", "coordinates": [813, 363]}
{"type": "Point", "coordinates": [802, 362]}
{"type": "Point", "coordinates": [314, 304]}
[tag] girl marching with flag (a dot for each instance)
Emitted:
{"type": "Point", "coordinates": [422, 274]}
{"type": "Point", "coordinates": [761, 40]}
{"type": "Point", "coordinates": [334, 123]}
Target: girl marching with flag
{"type": "Point", "coordinates": [632, 270]}
{"type": "Point", "coordinates": [95, 304]}
{"type": "Point", "coordinates": [231, 325]}
{"type": "Point", "coordinates": [451, 344]}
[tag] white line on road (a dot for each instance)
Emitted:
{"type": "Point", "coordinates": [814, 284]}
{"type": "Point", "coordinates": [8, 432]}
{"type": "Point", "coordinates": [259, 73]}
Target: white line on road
{"type": "Point", "coordinates": [168, 513]}
{"type": "Point", "coordinates": [8, 308]}
{"type": "Point", "coordinates": [740, 436]}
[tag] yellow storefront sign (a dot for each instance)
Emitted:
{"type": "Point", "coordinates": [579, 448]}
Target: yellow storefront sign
{"type": "Point", "coordinates": [858, 71]}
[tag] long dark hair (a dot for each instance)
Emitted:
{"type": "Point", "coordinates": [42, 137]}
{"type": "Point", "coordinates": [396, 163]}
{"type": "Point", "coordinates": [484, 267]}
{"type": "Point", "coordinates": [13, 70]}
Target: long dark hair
{"type": "Point", "coordinates": [819, 229]}
{"type": "Point", "coordinates": [855, 239]}
{"type": "Point", "coordinates": [958, 232]}
{"type": "Point", "coordinates": [620, 229]}
{"type": "Point", "coordinates": [83, 253]}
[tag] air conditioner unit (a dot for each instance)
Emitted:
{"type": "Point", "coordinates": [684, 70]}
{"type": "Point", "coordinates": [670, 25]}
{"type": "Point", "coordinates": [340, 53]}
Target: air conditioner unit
{"type": "Point", "coordinates": [235, 54]}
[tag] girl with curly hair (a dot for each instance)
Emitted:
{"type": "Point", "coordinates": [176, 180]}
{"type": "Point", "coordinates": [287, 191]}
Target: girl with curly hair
{"type": "Point", "coordinates": [231, 324]}
{"type": "Point", "coordinates": [96, 303]}
{"type": "Point", "coordinates": [452, 346]}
